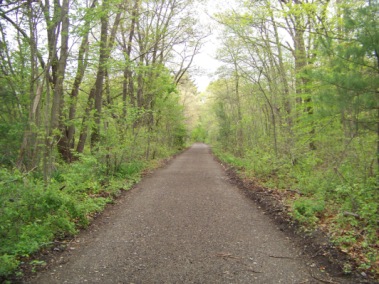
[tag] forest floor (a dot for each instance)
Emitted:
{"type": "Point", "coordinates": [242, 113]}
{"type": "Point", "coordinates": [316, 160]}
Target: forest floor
{"type": "Point", "coordinates": [192, 222]}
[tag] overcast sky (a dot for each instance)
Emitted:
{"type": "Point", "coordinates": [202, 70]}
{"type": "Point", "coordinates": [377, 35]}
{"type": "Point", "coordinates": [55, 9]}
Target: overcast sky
{"type": "Point", "coordinates": [205, 61]}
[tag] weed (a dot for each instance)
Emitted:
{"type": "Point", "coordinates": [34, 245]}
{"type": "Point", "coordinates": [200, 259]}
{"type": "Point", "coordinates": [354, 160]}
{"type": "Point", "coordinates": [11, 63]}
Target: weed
{"type": "Point", "coordinates": [8, 263]}
{"type": "Point", "coordinates": [307, 210]}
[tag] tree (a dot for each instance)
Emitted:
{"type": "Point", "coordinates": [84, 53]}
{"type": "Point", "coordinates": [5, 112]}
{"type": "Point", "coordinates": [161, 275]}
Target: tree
{"type": "Point", "coordinates": [145, 34]}
{"type": "Point", "coordinates": [307, 75]}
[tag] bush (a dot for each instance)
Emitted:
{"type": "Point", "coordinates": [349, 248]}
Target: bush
{"type": "Point", "coordinates": [32, 214]}
{"type": "Point", "coordinates": [10, 139]}
{"type": "Point", "coordinates": [307, 210]}
{"type": "Point", "coordinates": [199, 134]}
{"type": "Point", "coordinates": [8, 263]}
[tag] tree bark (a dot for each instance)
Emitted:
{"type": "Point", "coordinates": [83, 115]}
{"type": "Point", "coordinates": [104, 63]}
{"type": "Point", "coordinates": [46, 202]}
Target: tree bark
{"type": "Point", "coordinates": [58, 100]}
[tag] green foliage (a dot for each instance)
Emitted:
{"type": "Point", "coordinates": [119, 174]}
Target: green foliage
{"type": "Point", "coordinates": [10, 138]}
{"type": "Point", "coordinates": [47, 189]}
{"type": "Point", "coordinates": [8, 263]}
{"type": "Point", "coordinates": [307, 210]}
{"type": "Point", "coordinates": [32, 215]}
{"type": "Point", "coordinates": [81, 176]}
{"type": "Point", "coordinates": [359, 199]}
{"type": "Point", "coordinates": [229, 158]}
{"type": "Point", "coordinates": [180, 136]}
{"type": "Point", "coordinates": [305, 120]}
{"type": "Point", "coordinates": [199, 134]}
{"type": "Point", "coordinates": [131, 170]}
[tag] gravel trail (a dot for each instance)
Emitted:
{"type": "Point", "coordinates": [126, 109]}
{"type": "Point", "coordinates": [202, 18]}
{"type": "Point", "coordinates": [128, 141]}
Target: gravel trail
{"type": "Point", "coordinates": [185, 223]}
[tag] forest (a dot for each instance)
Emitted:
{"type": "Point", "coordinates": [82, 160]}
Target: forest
{"type": "Point", "coordinates": [90, 98]}
{"type": "Point", "coordinates": [296, 108]}
{"type": "Point", "coordinates": [93, 93]}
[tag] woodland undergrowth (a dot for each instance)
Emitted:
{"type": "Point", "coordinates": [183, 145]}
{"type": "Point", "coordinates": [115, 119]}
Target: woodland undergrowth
{"type": "Point", "coordinates": [34, 215]}
{"type": "Point", "coordinates": [345, 212]}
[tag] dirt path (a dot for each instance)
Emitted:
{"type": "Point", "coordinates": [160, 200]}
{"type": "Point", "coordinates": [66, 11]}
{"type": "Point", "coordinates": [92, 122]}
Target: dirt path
{"type": "Point", "coordinates": [184, 224]}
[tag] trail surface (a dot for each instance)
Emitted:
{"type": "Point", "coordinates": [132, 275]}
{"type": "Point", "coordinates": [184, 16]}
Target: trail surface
{"type": "Point", "coordinates": [183, 224]}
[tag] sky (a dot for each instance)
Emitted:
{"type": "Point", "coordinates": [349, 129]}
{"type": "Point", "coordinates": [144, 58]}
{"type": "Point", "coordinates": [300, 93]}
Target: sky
{"type": "Point", "coordinates": [205, 62]}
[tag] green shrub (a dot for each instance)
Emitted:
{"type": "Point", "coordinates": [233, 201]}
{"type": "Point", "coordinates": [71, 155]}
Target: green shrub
{"type": "Point", "coordinates": [307, 210]}
{"type": "Point", "coordinates": [81, 176]}
{"type": "Point", "coordinates": [8, 263]}
{"type": "Point", "coordinates": [199, 134]}
{"type": "Point", "coordinates": [10, 138]}
{"type": "Point", "coordinates": [229, 158]}
{"type": "Point", "coordinates": [31, 214]}
{"type": "Point", "coordinates": [361, 200]}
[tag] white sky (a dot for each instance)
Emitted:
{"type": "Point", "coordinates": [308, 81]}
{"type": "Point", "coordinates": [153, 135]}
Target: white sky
{"type": "Point", "coordinates": [205, 61]}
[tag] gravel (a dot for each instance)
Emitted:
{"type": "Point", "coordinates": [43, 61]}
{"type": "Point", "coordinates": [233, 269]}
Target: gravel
{"type": "Point", "coordinates": [185, 223]}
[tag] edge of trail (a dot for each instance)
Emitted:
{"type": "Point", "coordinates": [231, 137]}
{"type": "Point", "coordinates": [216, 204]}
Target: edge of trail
{"type": "Point", "coordinates": [315, 243]}
{"type": "Point", "coordinates": [155, 224]}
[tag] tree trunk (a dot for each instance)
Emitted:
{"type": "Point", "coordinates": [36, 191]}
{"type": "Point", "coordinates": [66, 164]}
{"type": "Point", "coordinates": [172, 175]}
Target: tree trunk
{"type": "Point", "coordinates": [106, 45]}
{"type": "Point", "coordinates": [58, 101]}
{"type": "Point", "coordinates": [128, 84]}
{"type": "Point", "coordinates": [68, 133]}
{"type": "Point", "coordinates": [98, 90]}
{"type": "Point", "coordinates": [84, 128]}
{"type": "Point", "coordinates": [29, 149]}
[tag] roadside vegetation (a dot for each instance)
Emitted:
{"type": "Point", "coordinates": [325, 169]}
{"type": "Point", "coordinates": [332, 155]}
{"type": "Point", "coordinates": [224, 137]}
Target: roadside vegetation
{"type": "Point", "coordinates": [35, 215]}
{"type": "Point", "coordinates": [296, 108]}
